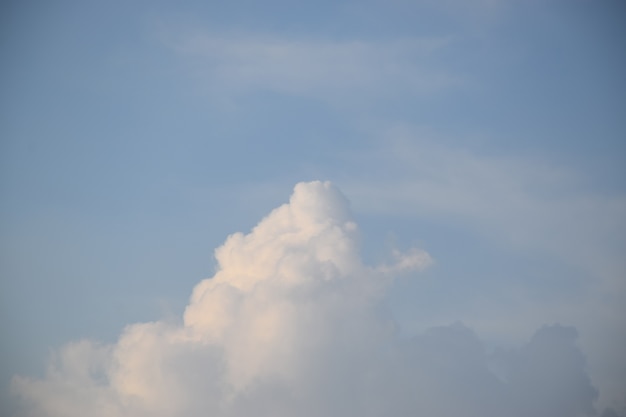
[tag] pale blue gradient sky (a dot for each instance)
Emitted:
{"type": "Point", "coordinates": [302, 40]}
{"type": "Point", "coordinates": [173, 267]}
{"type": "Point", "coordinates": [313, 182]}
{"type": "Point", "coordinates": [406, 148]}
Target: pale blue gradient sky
{"type": "Point", "coordinates": [137, 135]}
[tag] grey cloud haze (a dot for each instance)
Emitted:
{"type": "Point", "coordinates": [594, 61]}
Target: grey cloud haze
{"type": "Point", "coordinates": [294, 323]}
{"type": "Point", "coordinates": [525, 204]}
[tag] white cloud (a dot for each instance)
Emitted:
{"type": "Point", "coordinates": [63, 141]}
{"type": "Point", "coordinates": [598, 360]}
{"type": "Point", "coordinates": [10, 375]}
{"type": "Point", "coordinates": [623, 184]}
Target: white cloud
{"type": "Point", "coordinates": [293, 324]}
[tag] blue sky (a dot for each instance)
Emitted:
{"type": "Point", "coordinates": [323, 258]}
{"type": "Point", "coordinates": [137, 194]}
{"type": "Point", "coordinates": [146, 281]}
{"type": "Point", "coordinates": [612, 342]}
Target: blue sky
{"type": "Point", "coordinates": [137, 135]}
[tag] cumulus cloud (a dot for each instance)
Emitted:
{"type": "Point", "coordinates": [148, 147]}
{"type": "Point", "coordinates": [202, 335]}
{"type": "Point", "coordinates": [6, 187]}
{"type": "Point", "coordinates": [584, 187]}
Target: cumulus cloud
{"type": "Point", "coordinates": [293, 323]}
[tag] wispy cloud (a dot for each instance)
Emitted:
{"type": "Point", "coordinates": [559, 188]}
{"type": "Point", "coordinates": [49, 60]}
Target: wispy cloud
{"type": "Point", "coordinates": [522, 201]}
{"type": "Point", "coordinates": [313, 67]}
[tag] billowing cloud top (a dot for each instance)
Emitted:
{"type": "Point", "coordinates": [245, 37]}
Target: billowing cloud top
{"type": "Point", "coordinates": [293, 324]}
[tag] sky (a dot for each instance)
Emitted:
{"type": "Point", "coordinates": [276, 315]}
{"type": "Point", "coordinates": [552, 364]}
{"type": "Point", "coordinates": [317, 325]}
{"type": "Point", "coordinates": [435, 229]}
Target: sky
{"type": "Point", "coordinates": [313, 208]}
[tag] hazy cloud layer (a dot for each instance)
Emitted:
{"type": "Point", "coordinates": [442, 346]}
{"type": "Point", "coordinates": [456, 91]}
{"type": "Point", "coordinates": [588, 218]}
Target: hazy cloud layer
{"type": "Point", "coordinates": [293, 323]}
{"type": "Point", "coordinates": [317, 68]}
{"type": "Point", "coordinates": [523, 202]}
